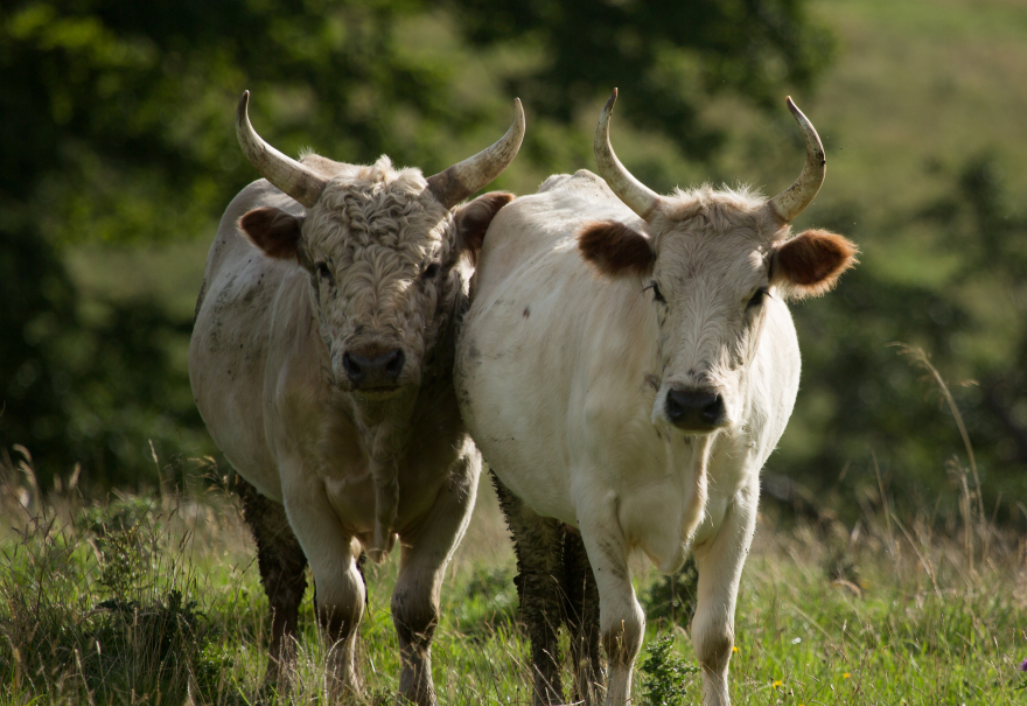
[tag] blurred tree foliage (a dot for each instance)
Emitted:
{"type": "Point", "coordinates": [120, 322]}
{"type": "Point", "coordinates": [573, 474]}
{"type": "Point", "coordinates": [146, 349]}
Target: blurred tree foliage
{"type": "Point", "coordinates": [870, 410]}
{"type": "Point", "coordinates": [115, 126]}
{"type": "Point", "coordinates": [662, 51]}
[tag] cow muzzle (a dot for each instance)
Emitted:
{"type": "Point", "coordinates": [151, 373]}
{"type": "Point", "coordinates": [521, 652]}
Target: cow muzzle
{"type": "Point", "coordinates": [374, 370]}
{"type": "Point", "coordinates": [695, 410]}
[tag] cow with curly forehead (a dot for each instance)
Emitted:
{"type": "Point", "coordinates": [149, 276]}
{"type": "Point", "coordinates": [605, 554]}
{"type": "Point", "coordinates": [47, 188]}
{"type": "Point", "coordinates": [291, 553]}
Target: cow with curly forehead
{"type": "Point", "coordinates": [321, 361]}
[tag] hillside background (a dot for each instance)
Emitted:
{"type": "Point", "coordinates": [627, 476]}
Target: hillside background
{"type": "Point", "coordinates": [118, 155]}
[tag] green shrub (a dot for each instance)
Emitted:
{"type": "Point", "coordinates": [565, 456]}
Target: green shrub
{"type": "Point", "coordinates": [664, 674]}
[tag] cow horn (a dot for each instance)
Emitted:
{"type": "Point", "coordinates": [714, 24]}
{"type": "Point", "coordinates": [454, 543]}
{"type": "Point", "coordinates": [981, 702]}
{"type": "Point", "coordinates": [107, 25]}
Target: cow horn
{"type": "Point", "coordinates": [284, 172]}
{"type": "Point", "coordinates": [459, 181]}
{"type": "Point", "coordinates": [787, 205]}
{"type": "Point", "coordinates": [635, 195]}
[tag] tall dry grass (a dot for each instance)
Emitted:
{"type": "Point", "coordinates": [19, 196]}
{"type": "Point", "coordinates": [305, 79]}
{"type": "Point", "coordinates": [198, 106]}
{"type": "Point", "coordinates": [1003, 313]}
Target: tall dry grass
{"type": "Point", "coordinates": [155, 598]}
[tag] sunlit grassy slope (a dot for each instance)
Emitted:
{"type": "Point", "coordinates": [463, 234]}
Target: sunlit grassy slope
{"type": "Point", "coordinates": [917, 87]}
{"type": "Point", "coordinates": [156, 599]}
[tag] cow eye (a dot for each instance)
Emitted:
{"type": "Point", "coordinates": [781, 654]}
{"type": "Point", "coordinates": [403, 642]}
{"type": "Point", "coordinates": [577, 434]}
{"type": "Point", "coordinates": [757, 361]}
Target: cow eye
{"type": "Point", "coordinates": [431, 270]}
{"type": "Point", "coordinates": [657, 295]}
{"type": "Point", "coordinates": [324, 273]}
{"type": "Point", "coordinates": [757, 298]}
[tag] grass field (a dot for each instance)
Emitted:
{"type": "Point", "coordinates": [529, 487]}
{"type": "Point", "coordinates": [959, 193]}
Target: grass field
{"type": "Point", "coordinates": [155, 598]}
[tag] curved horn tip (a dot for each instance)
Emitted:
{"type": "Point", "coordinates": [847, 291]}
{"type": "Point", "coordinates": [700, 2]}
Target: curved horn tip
{"type": "Point", "coordinates": [809, 132]}
{"type": "Point", "coordinates": [244, 104]}
{"type": "Point", "coordinates": [633, 193]}
{"type": "Point", "coordinates": [518, 113]}
{"type": "Point", "coordinates": [457, 182]}
{"type": "Point", "coordinates": [794, 109]}
{"type": "Point", "coordinates": [612, 100]}
{"type": "Point", "coordinates": [287, 174]}
{"type": "Point", "coordinates": [792, 201]}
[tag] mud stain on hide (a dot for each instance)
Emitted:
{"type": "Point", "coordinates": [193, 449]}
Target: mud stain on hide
{"type": "Point", "coordinates": [614, 559]}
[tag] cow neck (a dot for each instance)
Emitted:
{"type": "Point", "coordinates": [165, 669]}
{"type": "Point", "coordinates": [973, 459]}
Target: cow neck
{"type": "Point", "coordinates": [702, 447]}
{"type": "Point", "coordinates": [385, 431]}
{"type": "Point", "coordinates": [439, 359]}
{"type": "Point", "coordinates": [386, 427]}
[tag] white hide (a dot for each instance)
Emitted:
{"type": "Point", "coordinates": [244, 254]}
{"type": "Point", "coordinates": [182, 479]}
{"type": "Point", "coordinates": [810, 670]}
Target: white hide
{"type": "Point", "coordinates": [558, 373]}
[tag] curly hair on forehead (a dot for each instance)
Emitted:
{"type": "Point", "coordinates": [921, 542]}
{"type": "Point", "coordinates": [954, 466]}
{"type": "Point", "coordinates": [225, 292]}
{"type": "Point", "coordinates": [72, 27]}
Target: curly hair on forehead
{"type": "Point", "coordinates": [377, 204]}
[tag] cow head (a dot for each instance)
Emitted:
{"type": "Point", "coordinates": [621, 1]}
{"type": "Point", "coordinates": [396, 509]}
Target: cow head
{"type": "Point", "coordinates": [711, 263]}
{"type": "Point", "coordinates": [383, 248]}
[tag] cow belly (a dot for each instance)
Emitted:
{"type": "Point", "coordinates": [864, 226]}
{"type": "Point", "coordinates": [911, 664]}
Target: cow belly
{"type": "Point", "coordinates": [228, 356]}
{"type": "Point", "coordinates": [517, 439]}
{"type": "Point", "coordinates": [529, 471]}
{"type": "Point", "coordinates": [232, 411]}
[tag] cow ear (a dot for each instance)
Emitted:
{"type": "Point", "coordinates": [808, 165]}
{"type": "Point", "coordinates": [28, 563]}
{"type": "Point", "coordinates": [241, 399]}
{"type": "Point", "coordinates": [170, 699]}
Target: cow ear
{"type": "Point", "coordinates": [811, 263]}
{"type": "Point", "coordinates": [274, 231]}
{"type": "Point", "coordinates": [473, 219]}
{"type": "Point", "coordinates": [615, 249]}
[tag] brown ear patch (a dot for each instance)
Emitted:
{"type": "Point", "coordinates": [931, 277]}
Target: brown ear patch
{"type": "Point", "coordinates": [272, 230]}
{"type": "Point", "coordinates": [811, 263]}
{"type": "Point", "coordinates": [616, 249]}
{"type": "Point", "coordinates": [474, 219]}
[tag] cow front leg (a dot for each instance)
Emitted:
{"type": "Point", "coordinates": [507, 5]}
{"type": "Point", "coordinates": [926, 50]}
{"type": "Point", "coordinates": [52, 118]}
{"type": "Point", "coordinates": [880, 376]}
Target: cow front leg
{"type": "Point", "coordinates": [719, 561]}
{"type": "Point", "coordinates": [582, 617]}
{"type": "Point", "coordinates": [339, 610]}
{"type": "Point", "coordinates": [339, 594]}
{"type": "Point", "coordinates": [282, 572]}
{"type": "Point", "coordinates": [539, 550]}
{"type": "Point", "coordinates": [426, 552]}
{"type": "Point", "coordinates": [621, 620]}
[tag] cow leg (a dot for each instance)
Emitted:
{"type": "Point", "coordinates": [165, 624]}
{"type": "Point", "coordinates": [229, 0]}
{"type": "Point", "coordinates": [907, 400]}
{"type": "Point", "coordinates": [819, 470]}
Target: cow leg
{"type": "Point", "coordinates": [282, 573]}
{"type": "Point", "coordinates": [621, 620]}
{"type": "Point", "coordinates": [339, 595]}
{"type": "Point", "coordinates": [582, 617]}
{"type": "Point", "coordinates": [537, 544]}
{"type": "Point", "coordinates": [339, 609]}
{"type": "Point", "coordinates": [426, 552]}
{"type": "Point", "coordinates": [719, 562]}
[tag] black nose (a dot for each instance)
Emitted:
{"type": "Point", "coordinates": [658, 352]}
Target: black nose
{"type": "Point", "coordinates": [695, 410]}
{"type": "Point", "coordinates": [375, 370]}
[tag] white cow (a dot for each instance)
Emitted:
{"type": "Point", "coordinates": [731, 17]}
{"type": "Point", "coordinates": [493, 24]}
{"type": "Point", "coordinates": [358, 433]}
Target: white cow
{"type": "Point", "coordinates": [321, 361]}
{"type": "Point", "coordinates": [627, 366]}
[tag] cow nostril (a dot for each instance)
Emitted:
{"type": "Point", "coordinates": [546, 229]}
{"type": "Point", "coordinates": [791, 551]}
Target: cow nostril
{"type": "Point", "coordinates": [673, 407]}
{"type": "Point", "coordinates": [352, 367]}
{"type": "Point", "coordinates": [379, 370]}
{"type": "Point", "coordinates": [694, 410]}
{"type": "Point", "coordinates": [713, 412]}
{"type": "Point", "coordinates": [393, 363]}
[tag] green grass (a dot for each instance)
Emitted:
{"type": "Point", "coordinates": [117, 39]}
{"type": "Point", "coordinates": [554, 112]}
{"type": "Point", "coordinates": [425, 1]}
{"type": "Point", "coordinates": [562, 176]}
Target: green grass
{"type": "Point", "coordinates": [155, 598]}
